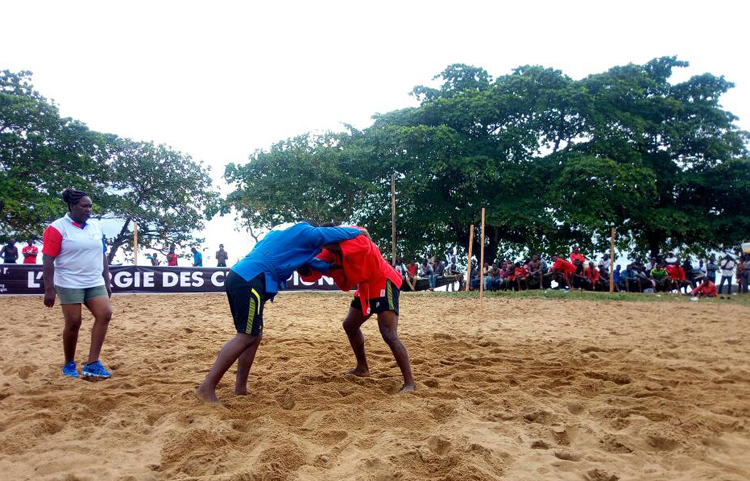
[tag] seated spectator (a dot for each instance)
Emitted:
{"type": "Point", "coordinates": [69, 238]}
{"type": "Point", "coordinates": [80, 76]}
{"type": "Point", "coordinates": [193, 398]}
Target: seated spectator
{"type": "Point", "coordinates": [536, 273]}
{"type": "Point", "coordinates": [521, 275]}
{"type": "Point", "coordinates": [411, 277]}
{"type": "Point", "coordinates": [705, 288]}
{"type": "Point", "coordinates": [661, 280]}
{"type": "Point", "coordinates": [617, 277]}
{"type": "Point", "coordinates": [671, 259]}
{"type": "Point", "coordinates": [687, 267]}
{"type": "Point", "coordinates": [437, 271]}
{"type": "Point", "coordinates": [629, 280]}
{"type": "Point", "coordinates": [677, 275]}
{"type": "Point", "coordinates": [743, 274]}
{"type": "Point", "coordinates": [591, 275]}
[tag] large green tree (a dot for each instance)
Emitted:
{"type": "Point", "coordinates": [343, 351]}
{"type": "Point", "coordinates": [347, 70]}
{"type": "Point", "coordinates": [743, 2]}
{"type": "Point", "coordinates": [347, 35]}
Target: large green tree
{"type": "Point", "coordinates": [555, 161]}
{"type": "Point", "coordinates": [41, 153]}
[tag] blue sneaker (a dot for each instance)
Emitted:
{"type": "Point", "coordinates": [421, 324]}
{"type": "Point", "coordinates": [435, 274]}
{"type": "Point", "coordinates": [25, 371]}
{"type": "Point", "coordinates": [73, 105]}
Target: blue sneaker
{"type": "Point", "coordinates": [70, 370]}
{"type": "Point", "coordinates": [95, 369]}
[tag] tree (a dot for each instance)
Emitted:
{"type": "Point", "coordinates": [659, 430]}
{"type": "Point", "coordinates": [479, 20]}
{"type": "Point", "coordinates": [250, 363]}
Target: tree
{"type": "Point", "coordinates": [40, 155]}
{"type": "Point", "coordinates": [165, 191]}
{"type": "Point", "coordinates": [555, 161]}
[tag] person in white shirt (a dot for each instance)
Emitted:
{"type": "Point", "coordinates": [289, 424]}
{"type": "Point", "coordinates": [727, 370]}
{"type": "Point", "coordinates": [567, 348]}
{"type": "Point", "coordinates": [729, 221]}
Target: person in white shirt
{"type": "Point", "coordinates": [727, 269]}
{"type": "Point", "coordinates": [76, 271]}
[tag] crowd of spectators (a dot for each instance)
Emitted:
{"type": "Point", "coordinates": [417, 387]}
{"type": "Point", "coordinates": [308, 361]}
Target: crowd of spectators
{"type": "Point", "coordinates": [661, 273]}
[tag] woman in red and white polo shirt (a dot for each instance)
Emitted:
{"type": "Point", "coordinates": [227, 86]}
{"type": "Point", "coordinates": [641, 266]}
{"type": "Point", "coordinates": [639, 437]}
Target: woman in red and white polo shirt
{"type": "Point", "coordinates": [76, 269]}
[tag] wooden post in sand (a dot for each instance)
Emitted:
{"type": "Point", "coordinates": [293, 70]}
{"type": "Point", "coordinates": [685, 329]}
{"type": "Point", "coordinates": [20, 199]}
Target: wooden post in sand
{"type": "Point", "coordinates": [481, 264]}
{"type": "Point", "coordinates": [135, 243]}
{"type": "Point", "coordinates": [468, 267]}
{"type": "Point", "coordinates": [393, 218]}
{"type": "Point", "coordinates": [612, 263]}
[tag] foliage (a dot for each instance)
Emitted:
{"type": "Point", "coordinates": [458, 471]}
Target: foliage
{"type": "Point", "coordinates": [41, 154]}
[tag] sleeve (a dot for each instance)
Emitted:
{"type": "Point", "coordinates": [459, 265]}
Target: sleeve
{"type": "Point", "coordinates": [326, 235]}
{"type": "Point", "coordinates": [52, 240]}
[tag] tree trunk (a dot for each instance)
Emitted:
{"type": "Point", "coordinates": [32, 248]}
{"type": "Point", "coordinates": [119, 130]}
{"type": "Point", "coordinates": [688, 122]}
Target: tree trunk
{"type": "Point", "coordinates": [118, 241]}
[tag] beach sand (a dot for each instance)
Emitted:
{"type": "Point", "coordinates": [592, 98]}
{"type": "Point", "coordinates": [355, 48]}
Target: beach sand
{"type": "Point", "coordinates": [524, 389]}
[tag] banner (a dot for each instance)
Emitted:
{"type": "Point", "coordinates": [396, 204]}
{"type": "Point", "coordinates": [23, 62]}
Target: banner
{"type": "Point", "coordinates": [27, 279]}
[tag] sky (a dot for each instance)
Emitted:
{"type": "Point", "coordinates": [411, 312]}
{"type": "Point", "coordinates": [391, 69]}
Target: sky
{"type": "Point", "coordinates": [219, 80]}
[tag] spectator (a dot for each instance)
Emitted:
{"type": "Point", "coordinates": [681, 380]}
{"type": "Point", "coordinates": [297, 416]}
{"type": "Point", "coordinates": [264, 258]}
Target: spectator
{"type": "Point", "coordinates": [9, 252]}
{"type": "Point", "coordinates": [197, 257]}
{"type": "Point", "coordinates": [592, 276]}
{"type": "Point", "coordinates": [671, 259]}
{"type": "Point", "coordinates": [661, 279]}
{"type": "Point", "coordinates": [221, 256]}
{"type": "Point", "coordinates": [155, 259]}
{"type": "Point", "coordinates": [687, 267]}
{"type": "Point", "coordinates": [727, 269]}
{"type": "Point", "coordinates": [411, 278]}
{"type": "Point", "coordinates": [536, 272]}
{"type": "Point", "coordinates": [171, 257]}
{"type": "Point", "coordinates": [617, 277]}
{"type": "Point", "coordinates": [605, 262]}
{"type": "Point", "coordinates": [425, 270]}
{"type": "Point", "coordinates": [629, 280]}
{"type": "Point", "coordinates": [30, 252]}
{"type": "Point", "coordinates": [521, 275]}
{"type": "Point", "coordinates": [705, 288]}
{"type": "Point", "coordinates": [745, 273]}
{"type": "Point", "coordinates": [576, 256]}
{"type": "Point", "coordinates": [678, 276]}
{"type": "Point", "coordinates": [437, 271]}
{"type": "Point", "coordinates": [711, 268]}
{"type": "Point", "coordinates": [400, 267]}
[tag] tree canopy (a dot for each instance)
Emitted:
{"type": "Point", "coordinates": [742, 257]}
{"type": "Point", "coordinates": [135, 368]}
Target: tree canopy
{"type": "Point", "coordinates": [555, 161]}
{"type": "Point", "coordinates": [41, 153]}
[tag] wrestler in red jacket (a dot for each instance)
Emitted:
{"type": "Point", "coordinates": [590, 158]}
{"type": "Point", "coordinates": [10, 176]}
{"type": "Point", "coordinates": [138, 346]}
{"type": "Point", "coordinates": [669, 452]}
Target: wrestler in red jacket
{"type": "Point", "coordinates": [358, 262]}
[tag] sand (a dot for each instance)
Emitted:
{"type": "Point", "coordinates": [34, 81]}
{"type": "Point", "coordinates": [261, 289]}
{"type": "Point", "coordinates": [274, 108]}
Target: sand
{"type": "Point", "coordinates": [526, 389]}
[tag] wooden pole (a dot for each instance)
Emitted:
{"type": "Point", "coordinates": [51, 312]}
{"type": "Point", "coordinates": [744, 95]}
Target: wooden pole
{"type": "Point", "coordinates": [481, 264]}
{"type": "Point", "coordinates": [135, 243]}
{"type": "Point", "coordinates": [468, 267]}
{"type": "Point", "coordinates": [612, 262]}
{"type": "Point", "coordinates": [393, 217]}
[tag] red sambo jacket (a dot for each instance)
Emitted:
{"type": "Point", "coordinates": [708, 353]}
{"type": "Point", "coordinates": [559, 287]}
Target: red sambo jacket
{"type": "Point", "coordinates": [361, 264]}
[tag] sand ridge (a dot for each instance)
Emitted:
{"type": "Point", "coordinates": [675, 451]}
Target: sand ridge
{"type": "Point", "coordinates": [523, 389]}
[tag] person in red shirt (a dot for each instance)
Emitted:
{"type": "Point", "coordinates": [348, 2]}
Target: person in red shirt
{"type": "Point", "coordinates": [171, 258]}
{"type": "Point", "coordinates": [563, 270]}
{"type": "Point", "coordinates": [411, 275]}
{"type": "Point", "coordinates": [521, 274]}
{"type": "Point", "coordinates": [592, 276]}
{"type": "Point", "coordinates": [30, 252]}
{"type": "Point", "coordinates": [358, 262]}
{"type": "Point", "coordinates": [705, 289]}
{"type": "Point", "coordinates": [577, 256]}
{"type": "Point", "coordinates": [677, 275]}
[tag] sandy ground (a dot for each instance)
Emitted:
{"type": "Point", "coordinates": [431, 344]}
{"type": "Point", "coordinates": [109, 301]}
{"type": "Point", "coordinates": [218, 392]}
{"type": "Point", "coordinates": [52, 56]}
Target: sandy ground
{"type": "Point", "coordinates": [524, 389]}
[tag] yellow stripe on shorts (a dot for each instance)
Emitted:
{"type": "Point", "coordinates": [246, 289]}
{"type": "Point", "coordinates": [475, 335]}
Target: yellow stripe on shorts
{"type": "Point", "coordinates": [389, 292]}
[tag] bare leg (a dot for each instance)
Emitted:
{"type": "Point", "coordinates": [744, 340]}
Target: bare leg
{"type": "Point", "coordinates": [231, 351]}
{"type": "Point", "coordinates": [388, 324]}
{"type": "Point", "coordinates": [355, 319]}
{"type": "Point", "coordinates": [244, 363]}
{"type": "Point", "coordinates": [102, 312]}
{"type": "Point", "coordinates": [72, 314]}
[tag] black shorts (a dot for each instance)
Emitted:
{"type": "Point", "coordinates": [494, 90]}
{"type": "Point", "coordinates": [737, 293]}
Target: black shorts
{"type": "Point", "coordinates": [246, 301]}
{"type": "Point", "coordinates": [389, 302]}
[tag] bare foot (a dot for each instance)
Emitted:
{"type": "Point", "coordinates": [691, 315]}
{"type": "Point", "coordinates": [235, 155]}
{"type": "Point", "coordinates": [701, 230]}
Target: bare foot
{"type": "Point", "coordinates": [206, 396]}
{"type": "Point", "coordinates": [240, 392]}
{"type": "Point", "coordinates": [407, 388]}
{"type": "Point", "coordinates": [359, 372]}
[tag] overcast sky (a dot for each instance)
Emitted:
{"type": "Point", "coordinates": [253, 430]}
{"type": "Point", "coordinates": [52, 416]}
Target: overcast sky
{"type": "Point", "coordinates": [218, 80]}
